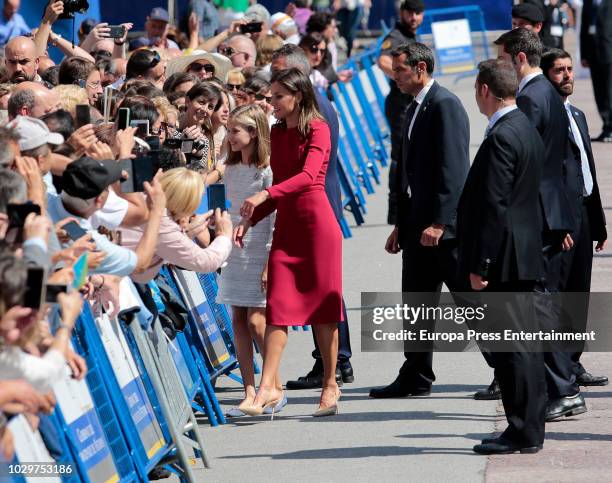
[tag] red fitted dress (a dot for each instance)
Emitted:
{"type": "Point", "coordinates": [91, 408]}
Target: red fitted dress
{"type": "Point", "coordinates": [305, 264]}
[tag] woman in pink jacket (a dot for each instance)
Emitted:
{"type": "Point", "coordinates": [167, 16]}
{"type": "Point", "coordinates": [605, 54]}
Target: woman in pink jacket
{"type": "Point", "coordinates": [183, 239]}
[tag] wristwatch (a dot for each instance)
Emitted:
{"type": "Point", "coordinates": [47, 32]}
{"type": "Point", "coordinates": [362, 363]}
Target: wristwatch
{"type": "Point", "coordinates": [53, 38]}
{"type": "Point", "coordinates": [120, 43]}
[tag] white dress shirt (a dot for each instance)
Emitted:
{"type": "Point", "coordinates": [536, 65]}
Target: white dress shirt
{"type": "Point", "coordinates": [584, 158]}
{"type": "Point", "coordinates": [420, 97]}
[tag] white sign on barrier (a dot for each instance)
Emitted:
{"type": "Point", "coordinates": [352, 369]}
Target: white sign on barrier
{"type": "Point", "coordinates": [453, 43]}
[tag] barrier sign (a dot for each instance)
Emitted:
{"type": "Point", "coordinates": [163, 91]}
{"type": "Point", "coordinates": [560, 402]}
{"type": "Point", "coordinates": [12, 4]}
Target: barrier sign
{"type": "Point", "coordinates": [84, 429]}
{"type": "Point", "coordinates": [132, 388]}
{"type": "Point", "coordinates": [453, 43]}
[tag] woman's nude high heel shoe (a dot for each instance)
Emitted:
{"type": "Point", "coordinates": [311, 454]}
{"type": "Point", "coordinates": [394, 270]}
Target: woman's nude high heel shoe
{"type": "Point", "coordinates": [257, 410]}
{"type": "Point", "coordinates": [328, 411]}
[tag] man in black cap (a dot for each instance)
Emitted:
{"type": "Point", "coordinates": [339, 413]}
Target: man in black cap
{"type": "Point", "coordinates": [86, 183]}
{"type": "Point", "coordinates": [551, 32]}
{"type": "Point", "coordinates": [411, 18]}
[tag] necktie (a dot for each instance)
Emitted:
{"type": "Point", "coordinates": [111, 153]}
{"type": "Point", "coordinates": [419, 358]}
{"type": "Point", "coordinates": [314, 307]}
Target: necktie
{"type": "Point", "coordinates": [584, 160]}
{"type": "Point", "coordinates": [410, 114]}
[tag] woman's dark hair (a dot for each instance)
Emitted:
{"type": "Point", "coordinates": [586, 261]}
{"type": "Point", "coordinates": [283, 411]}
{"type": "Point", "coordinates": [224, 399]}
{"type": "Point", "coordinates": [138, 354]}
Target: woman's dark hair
{"type": "Point", "coordinates": [134, 84]}
{"type": "Point", "coordinates": [170, 158]}
{"type": "Point", "coordinates": [141, 108]}
{"type": "Point", "coordinates": [207, 90]}
{"type": "Point", "coordinates": [146, 90]}
{"type": "Point", "coordinates": [51, 75]}
{"type": "Point", "coordinates": [177, 79]}
{"type": "Point", "coordinates": [256, 85]}
{"type": "Point", "coordinates": [60, 122]}
{"type": "Point", "coordinates": [174, 96]}
{"type": "Point", "coordinates": [318, 22]}
{"type": "Point", "coordinates": [295, 81]}
{"type": "Point", "coordinates": [140, 62]}
{"type": "Point", "coordinates": [75, 69]}
{"type": "Point", "coordinates": [312, 39]}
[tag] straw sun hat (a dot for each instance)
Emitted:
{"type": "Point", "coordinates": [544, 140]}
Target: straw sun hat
{"type": "Point", "coordinates": [180, 64]}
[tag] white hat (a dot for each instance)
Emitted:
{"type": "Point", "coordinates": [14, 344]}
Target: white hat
{"type": "Point", "coordinates": [180, 64]}
{"type": "Point", "coordinates": [33, 133]}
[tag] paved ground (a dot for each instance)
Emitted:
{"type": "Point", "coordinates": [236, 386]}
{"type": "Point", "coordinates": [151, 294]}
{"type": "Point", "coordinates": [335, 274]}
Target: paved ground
{"type": "Point", "coordinates": [425, 439]}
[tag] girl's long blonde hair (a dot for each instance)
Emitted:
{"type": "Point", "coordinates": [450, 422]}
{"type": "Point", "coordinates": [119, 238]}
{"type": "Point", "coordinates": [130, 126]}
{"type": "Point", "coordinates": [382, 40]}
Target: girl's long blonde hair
{"type": "Point", "coordinates": [254, 119]}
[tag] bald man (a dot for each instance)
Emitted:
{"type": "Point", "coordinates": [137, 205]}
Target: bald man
{"type": "Point", "coordinates": [21, 60]}
{"type": "Point", "coordinates": [243, 51]}
{"type": "Point", "coordinates": [21, 103]}
{"type": "Point", "coordinates": [12, 23]}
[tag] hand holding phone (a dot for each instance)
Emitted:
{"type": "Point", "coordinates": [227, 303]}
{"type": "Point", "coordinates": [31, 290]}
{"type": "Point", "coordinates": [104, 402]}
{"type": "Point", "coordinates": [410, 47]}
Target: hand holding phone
{"type": "Point", "coordinates": [116, 31]}
{"type": "Point", "coordinates": [34, 296]}
{"type": "Point", "coordinates": [74, 230]}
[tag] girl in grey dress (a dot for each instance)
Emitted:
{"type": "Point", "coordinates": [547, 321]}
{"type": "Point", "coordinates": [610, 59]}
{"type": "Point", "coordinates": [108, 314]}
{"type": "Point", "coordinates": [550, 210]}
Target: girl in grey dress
{"type": "Point", "coordinates": [242, 281]}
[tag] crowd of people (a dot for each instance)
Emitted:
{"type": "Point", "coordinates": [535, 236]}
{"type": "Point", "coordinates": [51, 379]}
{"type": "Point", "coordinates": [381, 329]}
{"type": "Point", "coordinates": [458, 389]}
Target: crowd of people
{"type": "Point", "coordinates": [106, 157]}
{"type": "Point", "coordinates": [246, 107]}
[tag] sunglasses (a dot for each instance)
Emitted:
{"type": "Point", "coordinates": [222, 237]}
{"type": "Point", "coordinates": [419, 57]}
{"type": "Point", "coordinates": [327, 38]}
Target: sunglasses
{"type": "Point", "coordinates": [156, 59]}
{"type": "Point", "coordinates": [195, 67]}
{"type": "Point", "coordinates": [261, 97]}
{"type": "Point", "coordinates": [233, 87]}
{"type": "Point", "coordinates": [314, 49]}
{"type": "Point", "coordinates": [229, 52]}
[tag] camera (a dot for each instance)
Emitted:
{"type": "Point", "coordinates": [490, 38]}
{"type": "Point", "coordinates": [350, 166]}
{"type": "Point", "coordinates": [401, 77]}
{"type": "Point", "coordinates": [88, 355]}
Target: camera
{"type": "Point", "coordinates": [74, 6]}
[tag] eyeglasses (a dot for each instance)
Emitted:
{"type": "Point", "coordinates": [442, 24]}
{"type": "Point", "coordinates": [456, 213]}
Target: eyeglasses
{"type": "Point", "coordinates": [233, 87]}
{"type": "Point", "coordinates": [195, 68]}
{"type": "Point", "coordinates": [261, 97]}
{"type": "Point", "coordinates": [101, 53]}
{"type": "Point", "coordinates": [230, 52]}
{"type": "Point", "coordinates": [314, 49]}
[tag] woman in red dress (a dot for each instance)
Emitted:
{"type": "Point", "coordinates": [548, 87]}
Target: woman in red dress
{"type": "Point", "coordinates": [305, 263]}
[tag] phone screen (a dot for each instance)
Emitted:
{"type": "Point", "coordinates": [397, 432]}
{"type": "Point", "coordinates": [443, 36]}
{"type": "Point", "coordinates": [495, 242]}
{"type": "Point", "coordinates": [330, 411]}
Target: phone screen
{"type": "Point", "coordinates": [144, 169]}
{"type": "Point", "coordinates": [53, 291]}
{"type": "Point", "coordinates": [216, 196]}
{"type": "Point", "coordinates": [74, 230]}
{"type": "Point", "coordinates": [116, 31]}
{"type": "Point", "coordinates": [142, 127]}
{"type": "Point", "coordinates": [17, 213]}
{"type": "Point", "coordinates": [123, 118]}
{"type": "Point", "coordinates": [34, 295]}
{"type": "Point", "coordinates": [251, 27]}
{"type": "Point", "coordinates": [82, 115]}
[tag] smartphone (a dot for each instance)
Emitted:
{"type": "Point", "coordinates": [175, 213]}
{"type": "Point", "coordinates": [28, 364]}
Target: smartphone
{"type": "Point", "coordinates": [82, 115]}
{"type": "Point", "coordinates": [17, 213]}
{"type": "Point", "coordinates": [116, 31]}
{"type": "Point", "coordinates": [123, 118]}
{"type": "Point", "coordinates": [74, 230]}
{"type": "Point", "coordinates": [173, 143]}
{"type": "Point", "coordinates": [34, 295]}
{"type": "Point", "coordinates": [139, 170]}
{"type": "Point", "coordinates": [153, 142]}
{"type": "Point", "coordinates": [251, 27]}
{"type": "Point", "coordinates": [216, 196]}
{"type": "Point", "coordinates": [53, 291]}
{"type": "Point", "coordinates": [142, 127]}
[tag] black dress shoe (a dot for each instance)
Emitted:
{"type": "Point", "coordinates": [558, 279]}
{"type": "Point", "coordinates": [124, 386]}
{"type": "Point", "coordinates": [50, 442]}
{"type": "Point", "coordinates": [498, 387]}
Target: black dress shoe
{"type": "Point", "coordinates": [499, 446]}
{"type": "Point", "coordinates": [397, 389]}
{"type": "Point", "coordinates": [312, 380]}
{"type": "Point", "coordinates": [490, 393]}
{"type": "Point", "coordinates": [587, 379]}
{"type": "Point", "coordinates": [565, 406]}
{"type": "Point", "coordinates": [604, 137]}
{"type": "Point", "coordinates": [347, 373]}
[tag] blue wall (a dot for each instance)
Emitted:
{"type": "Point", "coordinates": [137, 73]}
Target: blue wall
{"type": "Point", "coordinates": [496, 12]}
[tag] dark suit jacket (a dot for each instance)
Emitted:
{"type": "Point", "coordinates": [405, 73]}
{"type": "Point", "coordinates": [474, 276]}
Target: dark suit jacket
{"type": "Point", "coordinates": [434, 164]}
{"type": "Point", "coordinates": [596, 47]}
{"type": "Point", "coordinates": [332, 184]}
{"type": "Point", "coordinates": [499, 227]}
{"type": "Point", "coordinates": [597, 218]}
{"type": "Point", "coordinates": [543, 106]}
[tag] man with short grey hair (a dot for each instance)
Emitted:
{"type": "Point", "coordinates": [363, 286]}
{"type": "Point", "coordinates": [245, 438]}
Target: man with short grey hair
{"type": "Point", "coordinates": [44, 100]}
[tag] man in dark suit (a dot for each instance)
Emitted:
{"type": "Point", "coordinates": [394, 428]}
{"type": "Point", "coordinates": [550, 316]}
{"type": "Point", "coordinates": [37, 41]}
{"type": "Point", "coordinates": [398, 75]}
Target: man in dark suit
{"type": "Point", "coordinates": [588, 212]}
{"type": "Point", "coordinates": [540, 102]}
{"type": "Point", "coordinates": [287, 57]}
{"type": "Point", "coordinates": [500, 243]}
{"type": "Point", "coordinates": [433, 167]}
{"type": "Point", "coordinates": [596, 53]}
